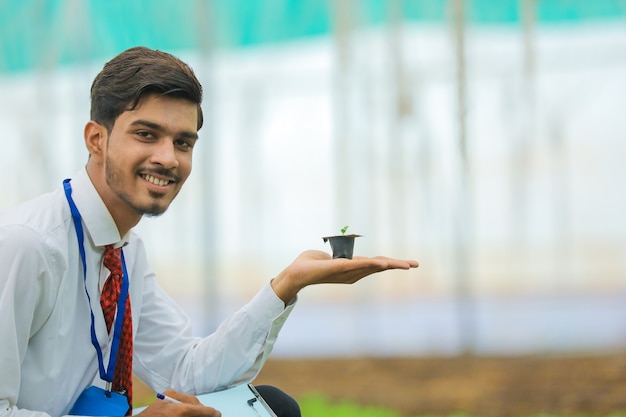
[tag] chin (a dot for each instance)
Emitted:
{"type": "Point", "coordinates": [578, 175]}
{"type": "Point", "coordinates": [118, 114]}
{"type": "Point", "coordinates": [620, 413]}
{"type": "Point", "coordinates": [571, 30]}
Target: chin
{"type": "Point", "coordinates": [157, 205]}
{"type": "Point", "coordinates": [153, 214]}
{"type": "Point", "coordinates": [152, 209]}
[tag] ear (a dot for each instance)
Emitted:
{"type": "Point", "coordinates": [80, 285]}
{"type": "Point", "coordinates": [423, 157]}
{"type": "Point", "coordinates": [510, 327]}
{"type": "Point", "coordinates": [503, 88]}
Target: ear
{"type": "Point", "coordinates": [95, 139]}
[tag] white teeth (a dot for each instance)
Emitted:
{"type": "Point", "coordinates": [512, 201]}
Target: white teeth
{"type": "Point", "coordinates": [155, 181]}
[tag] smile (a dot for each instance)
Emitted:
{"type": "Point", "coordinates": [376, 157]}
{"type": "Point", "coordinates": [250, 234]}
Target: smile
{"type": "Point", "coordinates": [154, 180]}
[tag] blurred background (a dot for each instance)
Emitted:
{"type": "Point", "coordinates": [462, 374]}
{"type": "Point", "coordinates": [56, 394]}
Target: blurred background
{"type": "Point", "coordinates": [484, 138]}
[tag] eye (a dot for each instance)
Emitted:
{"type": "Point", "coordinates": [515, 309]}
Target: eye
{"type": "Point", "coordinates": [145, 134]}
{"type": "Point", "coordinates": [185, 144]}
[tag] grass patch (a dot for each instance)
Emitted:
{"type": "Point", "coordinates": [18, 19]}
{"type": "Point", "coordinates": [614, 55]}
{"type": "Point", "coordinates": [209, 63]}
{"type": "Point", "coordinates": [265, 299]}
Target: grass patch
{"type": "Point", "coordinates": [319, 406]}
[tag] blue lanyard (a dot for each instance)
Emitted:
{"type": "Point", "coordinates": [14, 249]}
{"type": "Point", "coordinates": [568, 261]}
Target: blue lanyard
{"type": "Point", "coordinates": [121, 302]}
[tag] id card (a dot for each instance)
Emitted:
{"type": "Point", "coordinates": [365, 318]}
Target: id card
{"type": "Point", "coordinates": [95, 401]}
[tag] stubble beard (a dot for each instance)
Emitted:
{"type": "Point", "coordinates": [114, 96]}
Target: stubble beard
{"type": "Point", "coordinates": [114, 182]}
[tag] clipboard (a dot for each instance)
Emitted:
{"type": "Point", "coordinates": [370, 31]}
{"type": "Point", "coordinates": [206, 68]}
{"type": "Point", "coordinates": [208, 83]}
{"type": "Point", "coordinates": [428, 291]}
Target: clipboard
{"type": "Point", "coordinates": [240, 401]}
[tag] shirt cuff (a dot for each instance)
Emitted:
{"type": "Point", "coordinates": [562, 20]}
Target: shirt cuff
{"type": "Point", "coordinates": [268, 305]}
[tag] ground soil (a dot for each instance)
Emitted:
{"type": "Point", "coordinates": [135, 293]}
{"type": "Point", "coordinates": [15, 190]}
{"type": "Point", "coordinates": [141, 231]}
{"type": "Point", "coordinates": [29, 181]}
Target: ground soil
{"type": "Point", "coordinates": [480, 386]}
{"type": "Point", "coordinates": [486, 387]}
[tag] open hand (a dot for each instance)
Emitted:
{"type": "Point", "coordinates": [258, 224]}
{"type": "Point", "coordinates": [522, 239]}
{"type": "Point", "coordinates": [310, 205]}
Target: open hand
{"type": "Point", "coordinates": [318, 267]}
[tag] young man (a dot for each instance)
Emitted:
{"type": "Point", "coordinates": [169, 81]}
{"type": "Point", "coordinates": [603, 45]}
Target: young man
{"type": "Point", "coordinates": [79, 305]}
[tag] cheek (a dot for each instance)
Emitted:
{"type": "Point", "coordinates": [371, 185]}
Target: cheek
{"type": "Point", "coordinates": [185, 165]}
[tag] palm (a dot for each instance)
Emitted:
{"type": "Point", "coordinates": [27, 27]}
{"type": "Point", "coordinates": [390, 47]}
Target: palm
{"type": "Point", "coordinates": [317, 267]}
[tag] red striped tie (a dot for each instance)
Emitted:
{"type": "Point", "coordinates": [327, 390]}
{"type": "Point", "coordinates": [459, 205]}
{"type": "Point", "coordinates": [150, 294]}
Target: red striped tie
{"type": "Point", "coordinates": [122, 380]}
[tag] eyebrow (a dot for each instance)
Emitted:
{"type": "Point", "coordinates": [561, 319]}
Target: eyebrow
{"type": "Point", "coordinates": [156, 126]}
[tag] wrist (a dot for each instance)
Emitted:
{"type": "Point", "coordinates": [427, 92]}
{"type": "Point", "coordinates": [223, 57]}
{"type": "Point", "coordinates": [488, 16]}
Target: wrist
{"type": "Point", "coordinates": [284, 288]}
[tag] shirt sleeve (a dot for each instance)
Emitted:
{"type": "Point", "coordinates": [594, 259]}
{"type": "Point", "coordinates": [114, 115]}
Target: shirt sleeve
{"type": "Point", "coordinates": [25, 297]}
{"type": "Point", "coordinates": [167, 356]}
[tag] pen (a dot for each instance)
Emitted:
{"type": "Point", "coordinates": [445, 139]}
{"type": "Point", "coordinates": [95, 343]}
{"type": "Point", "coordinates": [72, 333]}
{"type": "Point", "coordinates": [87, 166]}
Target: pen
{"type": "Point", "coordinates": [166, 398]}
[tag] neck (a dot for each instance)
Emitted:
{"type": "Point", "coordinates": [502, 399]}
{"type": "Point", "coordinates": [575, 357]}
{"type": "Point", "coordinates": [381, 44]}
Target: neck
{"type": "Point", "coordinates": [123, 218]}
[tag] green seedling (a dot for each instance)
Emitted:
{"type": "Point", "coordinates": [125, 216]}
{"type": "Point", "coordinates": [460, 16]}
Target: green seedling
{"type": "Point", "coordinates": [343, 230]}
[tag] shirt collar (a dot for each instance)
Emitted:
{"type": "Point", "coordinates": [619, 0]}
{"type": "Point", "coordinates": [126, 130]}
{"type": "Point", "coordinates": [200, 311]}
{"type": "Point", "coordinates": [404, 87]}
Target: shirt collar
{"type": "Point", "coordinates": [98, 221]}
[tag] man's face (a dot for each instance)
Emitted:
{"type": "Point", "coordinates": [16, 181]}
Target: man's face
{"type": "Point", "coordinates": [148, 155]}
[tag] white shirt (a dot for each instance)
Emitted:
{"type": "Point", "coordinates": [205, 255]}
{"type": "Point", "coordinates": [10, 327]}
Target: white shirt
{"type": "Point", "coordinates": [46, 355]}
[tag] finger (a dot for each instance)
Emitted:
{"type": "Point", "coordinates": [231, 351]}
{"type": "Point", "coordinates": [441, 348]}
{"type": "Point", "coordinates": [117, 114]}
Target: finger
{"type": "Point", "coordinates": [360, 261]}
{"type": "Point", "coordinates": [201, 411]}
{"type": "Point", "coordinates": [400, 263]}
{"type": "Point", "coordinates": [162, 408]}
{"type": "Point", "coordinates": [193, 410]}
{"type": "Point", "coordinates": [183, 398]}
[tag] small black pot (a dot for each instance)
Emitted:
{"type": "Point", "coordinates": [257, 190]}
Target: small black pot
{"type": "Point", "coordinates": [342, 245]}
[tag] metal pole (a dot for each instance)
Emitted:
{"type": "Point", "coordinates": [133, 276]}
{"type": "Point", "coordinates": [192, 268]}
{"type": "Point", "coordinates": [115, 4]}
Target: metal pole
{"type": "Point", "coordinates": [343, 12]}
{"type": "Point", "coordinates": [464, 214]}
{"type": "Point", "coordinates": [206, 170]}
{"type": "Point", "coordinates": [397, 142]}
{"type": "Point", "coordinates": [525, 132]}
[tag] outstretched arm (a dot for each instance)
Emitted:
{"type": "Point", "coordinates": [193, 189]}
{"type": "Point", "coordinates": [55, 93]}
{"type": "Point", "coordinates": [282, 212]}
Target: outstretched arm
{"type": "Point", "coordinates": [318, 267]}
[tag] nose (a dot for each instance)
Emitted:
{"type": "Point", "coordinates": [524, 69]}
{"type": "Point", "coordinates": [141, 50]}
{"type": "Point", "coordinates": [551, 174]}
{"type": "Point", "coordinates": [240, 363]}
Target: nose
{"type": "Point", "coordinates": [164, 154]}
